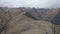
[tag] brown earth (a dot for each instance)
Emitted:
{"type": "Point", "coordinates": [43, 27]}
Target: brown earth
{"type": "Point", "coordinates": [18, 23]}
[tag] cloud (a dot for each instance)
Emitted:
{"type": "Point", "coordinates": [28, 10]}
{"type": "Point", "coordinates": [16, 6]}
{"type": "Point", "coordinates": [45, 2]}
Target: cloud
{"type": "Point", "coordinates": [30, 3]}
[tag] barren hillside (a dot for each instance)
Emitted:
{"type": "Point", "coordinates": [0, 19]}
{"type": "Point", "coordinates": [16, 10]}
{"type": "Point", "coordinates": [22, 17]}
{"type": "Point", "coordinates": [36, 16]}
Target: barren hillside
{"type": "Point", "coordinates": [26, 20]}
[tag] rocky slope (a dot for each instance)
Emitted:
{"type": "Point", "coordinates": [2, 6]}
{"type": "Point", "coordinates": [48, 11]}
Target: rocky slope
{"type": "Point", "coordinates": [26, 20]}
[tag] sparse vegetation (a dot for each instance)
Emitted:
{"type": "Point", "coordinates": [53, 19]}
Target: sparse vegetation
{"type": "Point", "coordinates": [26, 20]}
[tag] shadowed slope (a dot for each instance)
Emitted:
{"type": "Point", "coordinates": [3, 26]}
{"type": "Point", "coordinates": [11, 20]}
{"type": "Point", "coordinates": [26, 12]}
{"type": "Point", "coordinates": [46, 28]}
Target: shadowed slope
{"type": "Point", "coordinates": [56, 19]}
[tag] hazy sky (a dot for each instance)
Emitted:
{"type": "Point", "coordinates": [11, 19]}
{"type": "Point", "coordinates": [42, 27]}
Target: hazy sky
{"type": "Point", "coordinates": [30, 3]}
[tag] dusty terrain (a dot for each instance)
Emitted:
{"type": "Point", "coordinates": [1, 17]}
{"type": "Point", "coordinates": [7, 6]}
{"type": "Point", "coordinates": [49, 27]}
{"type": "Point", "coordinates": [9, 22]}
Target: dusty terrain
{"type": "Point", "coordinates": [16, 22]}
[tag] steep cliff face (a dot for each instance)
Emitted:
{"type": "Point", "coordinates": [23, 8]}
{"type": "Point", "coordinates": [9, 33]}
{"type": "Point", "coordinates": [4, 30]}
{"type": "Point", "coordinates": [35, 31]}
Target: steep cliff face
{"type": "Point", "coordinates": [23, 21]}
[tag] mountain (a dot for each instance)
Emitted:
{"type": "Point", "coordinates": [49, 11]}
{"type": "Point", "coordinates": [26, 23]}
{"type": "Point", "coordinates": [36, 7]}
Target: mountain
{"type": "Point", "coordinates": [26, 20]}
